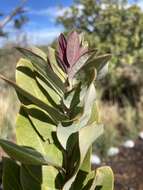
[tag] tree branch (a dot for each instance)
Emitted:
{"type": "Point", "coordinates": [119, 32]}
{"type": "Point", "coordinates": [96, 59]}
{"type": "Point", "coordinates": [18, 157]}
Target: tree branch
{"type": "Point", "coordinates": [18, 10]}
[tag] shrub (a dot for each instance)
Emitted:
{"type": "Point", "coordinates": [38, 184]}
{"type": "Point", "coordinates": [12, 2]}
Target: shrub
{"type": "Point", "coordinates": [58, 120]}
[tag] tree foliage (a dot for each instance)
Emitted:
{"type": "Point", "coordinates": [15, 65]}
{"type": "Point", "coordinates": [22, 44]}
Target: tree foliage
{"type": "Point", "coordinates": [112, 26]}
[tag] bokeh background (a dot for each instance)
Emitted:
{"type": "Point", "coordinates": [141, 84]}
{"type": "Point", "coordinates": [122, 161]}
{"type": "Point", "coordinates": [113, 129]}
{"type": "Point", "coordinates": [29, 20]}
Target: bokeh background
{"type": "Point", "coordinates": [111, 26]}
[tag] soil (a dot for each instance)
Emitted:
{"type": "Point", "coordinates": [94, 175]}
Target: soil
{"type": "Point", "coordinates": [128, 167]}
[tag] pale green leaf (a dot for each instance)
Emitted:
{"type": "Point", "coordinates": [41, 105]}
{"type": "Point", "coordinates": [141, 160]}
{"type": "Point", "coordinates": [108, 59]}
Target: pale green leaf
{"type": "Point", "coordinates": [54, 113]}
{"type": "Point", "coordinates": [44, 142]}
{"type": "Point", "coordinates": [26, 79]}
{"type": "Point", "coordinates": [104, 179]}
{"type": "Point", "coordinates": [40, 177]}
{"type": "Point", "coordinates": [93, 131]}
{"type": "Point", "coordinates": [63, 133]}
{"type": "Point", "coordinates": [43, 67]}
{"type": "Point", "coordinates": [97, 62]}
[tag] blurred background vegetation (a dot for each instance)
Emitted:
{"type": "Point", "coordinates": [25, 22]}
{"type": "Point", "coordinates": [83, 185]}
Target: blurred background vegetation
{"type": "Point", "coordinates": [115, 27]}
{"type": "Point", "coordinates": [111, 26]}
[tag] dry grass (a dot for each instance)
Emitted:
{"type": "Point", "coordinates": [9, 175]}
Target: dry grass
{"type": "Point", "coordinates": [8, 109]}
{"type": "Point", "coordinates": [120, 124]}
{"type": "Point", "coordinates": [8, 99]}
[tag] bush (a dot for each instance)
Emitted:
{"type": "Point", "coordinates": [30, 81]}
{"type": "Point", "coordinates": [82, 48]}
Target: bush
{"type": "Point", "coordinates": [58, 120]}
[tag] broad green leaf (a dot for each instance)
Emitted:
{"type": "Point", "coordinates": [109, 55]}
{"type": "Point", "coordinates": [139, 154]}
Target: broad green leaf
{"type": "Point", "coordinates": [27, 135]}
{"type": "Point", "coordinates": [76, 98]}
{"type": "Point", "coordinates": [86, 164]}
{"type": "Point", "coordinates": [95, 116]}
{"type": "Point", "coordinates": [38, 52]}
{"type": "Point", "coordinates": [28, 181]}
{"type": "Point", "coordinates": [83, 180]}
{"type": "Point", "coordinates": [104, 179]}
{"type": "Point", "coordinates": [26, 79]}
{"type": "Point", "coordinates": [43, 67]}
{"type": "Point", "coordinates": [50, 91]}
{"type": "Point", "coordinates": [100, 63]}
{"type": "Point", "coordinates": [23, 154]}
{"type": "Point", "coordinates": [63, 133]}
{"type": "Point", "coordinates": [54, 113]}
{"type": "Point", "coordinates": [40, 178]}
{"type": "Point", "coordinates": [11, 172]}
{"type": "Point", "coordinates": [97, 62]}
{"type": "Point", "coordinates": [52, 179]}
{"type": "Point", "coordinates": [93, 131]}
{"type": "Point", "coordinates": [41, 122]}
{"type": "Point", "coordinates": [83, 172]}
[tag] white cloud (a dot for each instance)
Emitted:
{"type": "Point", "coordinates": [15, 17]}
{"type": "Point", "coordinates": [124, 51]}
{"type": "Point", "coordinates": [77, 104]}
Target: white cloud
{"type": "Point", "coordinates": [43, 36]}
{"type": "Point", "coordinates": [140, 4]}
{"type": "Point", "coordinates": [50, 11]}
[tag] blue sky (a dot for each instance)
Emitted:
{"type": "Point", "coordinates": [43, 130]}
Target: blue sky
{"type": "Point", "coordinates": [42, 14]}
{"type": "Point", "coordinates": [42, 27]}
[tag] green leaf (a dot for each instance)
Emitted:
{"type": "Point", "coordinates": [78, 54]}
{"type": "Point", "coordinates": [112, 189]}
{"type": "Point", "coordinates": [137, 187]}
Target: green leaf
{"type": "Point", "coordinates": [11, 172]}
{"type": "Point", "coordinates": [37, 51]}
{"type": "Point", "coordinates": [28, 181]}
{"type": "Point", "coordinates": [83, 180]}
{"type": "Point", "coordinates": [40, 178]}
{"type": "Point", "coordinates": [52, 179]}
{"type": "Point", "coordinates": [25, 155]}
{"type": "Point", "coordinates": [54, 113]}
{"type": "Point", "coordinates": [104, 179]}
{"type": "Point", "coordinates": [30, 132]}
{"type": "Point", "coordinates": [84, 171]}
{"type": "Point", "coordinates": [42, 123]}
{"type": "Point", "coordinates": [93, 131]}
{"type": "Point", "coordinates": [100, 63]}
{"type": "Point", "coordinates": [54, 64]}
{"type": "Point", "coordinates": [86, 164]}
{"type": "Point", "coordinates": [26, 79]}
{"type": "Point", "coordinates": [95, 116]}
{"type": "Point", "coordinates": [43, 67]}
{"type": "Point", "coordinates": [97, 62]}
{"type": "Point", "coordinates": [50, 92]}
{"type": "Point", "coordinates": [63, 133]}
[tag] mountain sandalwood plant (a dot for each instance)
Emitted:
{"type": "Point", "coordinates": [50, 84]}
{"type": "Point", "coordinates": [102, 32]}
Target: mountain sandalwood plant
{"type": "Point", "coordinates": [58, 119]}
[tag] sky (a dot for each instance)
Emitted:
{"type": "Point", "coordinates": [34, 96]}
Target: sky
{"type": "Point", "coordinates": [42, 27]}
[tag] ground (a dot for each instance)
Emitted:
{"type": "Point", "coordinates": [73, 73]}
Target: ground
{"type": "Point", "coordinates": [128, 168]}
